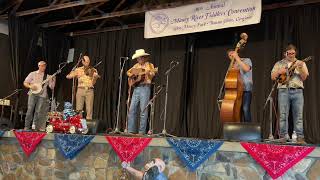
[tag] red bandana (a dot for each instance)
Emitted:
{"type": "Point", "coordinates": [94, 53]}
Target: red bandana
{"type": "Point", "coordinates": [276, 159]}
{"type": "Point", "coordinates": [29, 140]}
{"type": "Point", "coordinates": [128, 148]}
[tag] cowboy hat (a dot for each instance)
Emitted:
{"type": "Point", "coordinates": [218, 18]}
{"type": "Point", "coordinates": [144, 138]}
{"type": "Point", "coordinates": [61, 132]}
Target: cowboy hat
{"type": "Point", "coordinates": [139, 53]}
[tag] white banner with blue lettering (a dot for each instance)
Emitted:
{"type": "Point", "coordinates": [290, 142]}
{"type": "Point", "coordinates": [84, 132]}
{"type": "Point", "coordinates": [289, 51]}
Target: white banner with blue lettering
{"type": "Point", "coordinates": [217, 14]}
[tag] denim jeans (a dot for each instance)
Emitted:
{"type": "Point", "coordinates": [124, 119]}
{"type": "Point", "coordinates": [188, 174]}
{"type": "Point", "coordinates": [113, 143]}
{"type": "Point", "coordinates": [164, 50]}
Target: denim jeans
{"type": "Point", "coordinates": [291, 98]}
{"type": "Point", "coordinates": [141, 95]}
{"type": "Point", "coordinates": [246, 103]}
{"type": "Point", "coordinates": [37, 112]}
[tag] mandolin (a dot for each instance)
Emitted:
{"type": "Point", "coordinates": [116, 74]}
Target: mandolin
{"type": "Point", "coordinates": [284, 78]}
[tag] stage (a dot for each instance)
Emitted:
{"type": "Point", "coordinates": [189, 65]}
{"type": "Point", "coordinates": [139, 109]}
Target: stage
{"type": "Point", "coordinates": [99, 161]}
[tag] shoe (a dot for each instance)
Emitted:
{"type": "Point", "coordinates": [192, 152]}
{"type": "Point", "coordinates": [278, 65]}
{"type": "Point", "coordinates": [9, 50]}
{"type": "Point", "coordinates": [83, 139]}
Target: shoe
{"type": "Point", "coordinates": [284, 139]}
{"type": "Point", "coordinates": [301, 140]}
{"type": "Point", "coordinates": [42, 130]}
{"type": "Point", "coordinates": [294, 137]}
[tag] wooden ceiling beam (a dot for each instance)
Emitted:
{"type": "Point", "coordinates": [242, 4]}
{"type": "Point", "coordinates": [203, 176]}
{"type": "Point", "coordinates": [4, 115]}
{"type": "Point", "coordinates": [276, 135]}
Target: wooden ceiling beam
{"type": "Point", "coordinates": [88, 9]}
{"type": "Point", "coordinates": [162, 6]}
{"type": "Point", "coordinates": [288, 4]}
{"type": "Point", "coordinates": [11, 4]}
{"type": "Point", "coordinates": [119, 13]}
{"type": "Point", "coordinates": [58, 6]}
{"type": "Point", "coordinates": [114, 28]}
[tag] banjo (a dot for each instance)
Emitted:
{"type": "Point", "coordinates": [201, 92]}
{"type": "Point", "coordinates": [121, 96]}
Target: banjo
{"type": "Point", "coordinates": [39, 86]}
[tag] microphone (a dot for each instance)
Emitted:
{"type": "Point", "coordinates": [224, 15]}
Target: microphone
{"type": "Point", "coordinates": [175, 63]}
{"type": "Point", "coordinates": [126, 58]}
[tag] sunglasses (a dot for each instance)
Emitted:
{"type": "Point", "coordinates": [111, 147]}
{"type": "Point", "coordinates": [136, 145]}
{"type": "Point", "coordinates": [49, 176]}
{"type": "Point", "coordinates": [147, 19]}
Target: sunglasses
{"type": "Point", "coordinates": [292, 53]}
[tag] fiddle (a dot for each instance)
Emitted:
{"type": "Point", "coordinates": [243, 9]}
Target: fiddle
{"type": "Point", "coordinates": [91, 72]}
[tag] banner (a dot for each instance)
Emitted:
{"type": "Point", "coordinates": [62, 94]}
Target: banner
{"type": "Point", "coordinates": [193, 152]}
{"type": "Point", "coordinates": [29, 140]}
{"type": "Point", "coordinates": [128, 148]}
{"type": "Point", "coordinates": [70, 145]}
{"type": "Point", "coordinates": [217, 14]}
{"type": "Point", "coordinates": [276, 159]}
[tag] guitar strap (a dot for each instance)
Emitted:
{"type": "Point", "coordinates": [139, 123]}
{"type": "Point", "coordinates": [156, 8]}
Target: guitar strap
{"type": "Point", "coordinates": [44, 78]}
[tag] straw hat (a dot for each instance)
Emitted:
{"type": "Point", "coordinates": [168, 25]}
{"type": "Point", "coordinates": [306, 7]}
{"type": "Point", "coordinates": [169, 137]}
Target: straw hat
{"type": "Point", "coordinates": [139, 53]}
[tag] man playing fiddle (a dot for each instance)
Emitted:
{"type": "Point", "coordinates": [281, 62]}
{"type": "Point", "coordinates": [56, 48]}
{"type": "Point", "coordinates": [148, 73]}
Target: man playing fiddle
{"type": "Point", "coordinates": [87, 77]}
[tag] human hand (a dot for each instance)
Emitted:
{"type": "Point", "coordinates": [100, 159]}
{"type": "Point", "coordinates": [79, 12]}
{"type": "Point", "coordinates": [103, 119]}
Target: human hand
{"type": "Point", "coordinates": [282, 70]}
{"type": "Point", "coordinates": [33, 87]}
{"type": "Point", "coordinates": [125, 165]}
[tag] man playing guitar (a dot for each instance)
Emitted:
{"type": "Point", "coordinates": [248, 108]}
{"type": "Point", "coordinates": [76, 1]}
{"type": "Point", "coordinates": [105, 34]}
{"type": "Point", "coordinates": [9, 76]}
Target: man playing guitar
{"type": "Point", "coordinates": [37, 102]}
{"type": "Point", "coordinates": [140, 76]}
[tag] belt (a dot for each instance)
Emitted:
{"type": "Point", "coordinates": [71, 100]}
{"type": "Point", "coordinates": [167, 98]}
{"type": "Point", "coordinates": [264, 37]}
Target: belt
{"type": "Point", "coordinates": [85, 88]}
{"type": "Point", "coordinates": [143, 85]}
{"type": "Point", "coordinates": [295, 88]}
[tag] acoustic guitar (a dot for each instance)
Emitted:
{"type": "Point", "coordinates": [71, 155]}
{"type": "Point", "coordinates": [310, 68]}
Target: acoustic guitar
{"type": "Point", "coordinates": [139, 76]}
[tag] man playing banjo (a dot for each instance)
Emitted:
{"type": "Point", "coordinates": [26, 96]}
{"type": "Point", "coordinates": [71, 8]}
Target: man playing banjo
{"type": "Point", "coordinates": [38, 96]}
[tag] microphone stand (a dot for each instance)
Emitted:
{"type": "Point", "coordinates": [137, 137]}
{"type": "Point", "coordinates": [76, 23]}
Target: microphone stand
{"type": "Point", "coordinates": [3, 99]}
{"type": "Point", "coordinates": [158, 90]}
{"type": "Point", "coordinates": [167, 73]}
{"type": "Point", "coordinates": [116, 128]}
{"type": "Point", "coordinates": [271, 106]}
{"type": "Point", "coordinates": [74, 80]}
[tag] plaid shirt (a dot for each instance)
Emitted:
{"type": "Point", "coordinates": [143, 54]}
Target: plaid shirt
{"type": "Point", "coordinates": [295, 81]}
{"type": "Point", "coordinates": [148, 67]}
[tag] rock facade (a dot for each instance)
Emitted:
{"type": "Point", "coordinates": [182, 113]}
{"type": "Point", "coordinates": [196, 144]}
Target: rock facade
{"type": "Point", "coordinates": [99, 161]}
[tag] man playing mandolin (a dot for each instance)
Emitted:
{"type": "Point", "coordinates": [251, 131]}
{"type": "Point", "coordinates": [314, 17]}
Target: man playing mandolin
{"type": "Point", "coordinates": [290, 93]}
{"type": "Point", "coordinates": [37, 102]}
{"type": "Point", "coordinates": [245, 66]}
{"type": "Point", "coordinates": [141, 74]}
{"type": "Point", "coordinates": [87, 77]}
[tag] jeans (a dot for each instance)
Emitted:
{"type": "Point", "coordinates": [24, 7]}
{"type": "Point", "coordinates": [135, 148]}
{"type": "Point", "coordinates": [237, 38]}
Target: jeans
{"type": "Point", "coordinates": [39, 106]}
{"type": "Point", "coordinates": [246, 103]}
{"type": "Point", "coordinates": [141, 94]}
{"type": "Point", "coordinates": [291, 98]}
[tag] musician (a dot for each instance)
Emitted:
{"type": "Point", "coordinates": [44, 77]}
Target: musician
{"type": "Point", "coordinates": [290, 94]}
{"type": "Point", "coordinates": [37, 103]}
{"type": "Point", "coordinates": [87, 77]}
{"type": "Point", "coordinates": [153, 170]}
{"type": "Point", "coordinates": [245, 66]}
{"type": "Point", "coordinates": [141, 92]}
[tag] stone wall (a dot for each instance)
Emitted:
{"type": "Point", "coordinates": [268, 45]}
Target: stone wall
{"type": "Point", "coordinates": [99, 161]}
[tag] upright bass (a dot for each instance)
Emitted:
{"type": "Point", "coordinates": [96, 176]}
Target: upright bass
{"type": "Point", "coordinates": [231, 103]}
